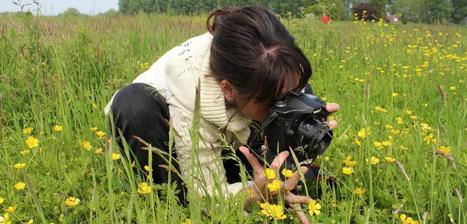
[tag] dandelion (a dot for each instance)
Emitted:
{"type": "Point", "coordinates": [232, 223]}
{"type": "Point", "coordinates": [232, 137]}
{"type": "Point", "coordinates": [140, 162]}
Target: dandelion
{"type": "Point", "coordinates": [20, 186]}
{"type": "Point", "coordinates": [86, 145]}
{"type": "Point", "coordinates": [270, 173]}
{"type": "Point", "coordinates": [27, 131]}
{"type": "Point", "coordinates": [144, 188]}
{"type": "Point", "coordinates": [287, 173]}
{"type": "Point", "coordinates": [115, 156]}
{"type": "Point", "coordinates": [389, 159]}
{"type": "Point", "coordinates": [359, 191]}
{"type": "Point", "coordinates": [445, 150]}
{"type": "Point", "coordinates": [32, 142]}
{"type": "Point", "coordinates": [273, 211]}
{"type": "Point", "coordinates": [363, 133]}
{"type": "Point", "coordinates": [20, 166]}
{"type": "Point", "coordinates": [407, 220]}
{"type": "Point", "coordinates": [100, 134]}
{"type": "Point", "coordinates": [274, 186]}
{"type": "Point", "coordinates": [347, 170]}
{"type": "Point", "coordinates": [58, 128]}
{"type": "Point", "coordinates": [72, 201]}
{"type": "Point", "coordinates": [314, 207]}
{"type": "Point", "coordinates": [373, 160]}
{"type": "Point", "coordinates": [349, 162]}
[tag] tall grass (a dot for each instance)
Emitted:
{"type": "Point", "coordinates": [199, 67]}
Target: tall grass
{"type": "Point", "coordinates": [400, 83]}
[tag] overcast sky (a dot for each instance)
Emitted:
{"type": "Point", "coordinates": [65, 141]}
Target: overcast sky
{"type": "Point", "coordinates": [54, 7]}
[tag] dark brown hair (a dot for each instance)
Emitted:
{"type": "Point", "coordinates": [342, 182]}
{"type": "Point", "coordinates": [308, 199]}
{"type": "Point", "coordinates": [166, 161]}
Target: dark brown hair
{"type": "Point", "coordinates": [254, 51]}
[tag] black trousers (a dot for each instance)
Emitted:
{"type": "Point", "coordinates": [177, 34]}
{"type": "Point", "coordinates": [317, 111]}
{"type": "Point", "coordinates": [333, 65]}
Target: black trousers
{"type": "Point", "coordinates": [138, 110]}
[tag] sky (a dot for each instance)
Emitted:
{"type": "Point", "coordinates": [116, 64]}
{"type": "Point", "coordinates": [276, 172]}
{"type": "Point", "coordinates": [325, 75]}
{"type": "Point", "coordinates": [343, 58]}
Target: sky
{"type": "Point", "coordinates": [54, 7]}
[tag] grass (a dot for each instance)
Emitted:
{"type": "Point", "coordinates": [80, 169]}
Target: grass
{"type": "Point", "coordinates": [402, 84]}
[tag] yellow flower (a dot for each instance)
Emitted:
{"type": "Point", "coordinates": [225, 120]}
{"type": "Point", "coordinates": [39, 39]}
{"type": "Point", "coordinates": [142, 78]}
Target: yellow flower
{"type": "Point", "coordinates": [381, 109]}
{"type": "Point", "coordinates": [287, 173]}
{"type": "Point", "coordinates": [86, 145]}
{"type": "Point", "coordinates": [58, 128]}
{"type": "Point", "coordinates": [20, 166]}
{"type": "Point", "coordinates": [429, 139]}
{"type": "Point", "coordinates": [357, 142]}
{"type": "Point", "coordinates": [273, 211]}
{"type": "Point", "coordinates": [20, 186]}
{"type": "Point", "coordinates": [98, 151]}
{"type": "Point", "coordinates": [274, 186]}
{"type": "Point", "coordinates": [347, 170]}
{"type": "Point", "coordinates": [359, 191]}
{"type": "Point", "coordinates": [394, 132]}
{"type": "Point", "coordinates": [270, 173]}
{"type": "Point", "coordinates": [11, 209]}
{"type": "Point", "coordinates": [408, 112]}
{"type": "Point", "coordinates": [27, 131]}
{"type": "Point", "coordinates": [144, 188]}
{"type": "Point", "coordinates": [187, 221]}
{"type": "Point", "coordinates": [314, 207]}
{"type": "Point", "coordinates": [373, 160]}
{"type": "Point", "coordinates": [364, 132]}
{"type": "Point", "coordinates": [399, 120]}
{"type": "Point", "coordinates": [446, 150]}
{"type": "Point", "coordinates": [93, 129]}
{"type": "Point", "coordinates": [349, 162]}
{"type": "Point", "coordinates": [115, 156]}
{"type": "Point", "coordinates": [386, 143]}
{"type": "Point", "coordinates": [31, 221]}
{"type": "Point", "coordinates": [32, 142]}
{"type": "Point", "coordinates": [425, 127]}
{"type": "Point", "coordinates": [5, 219]}
{"type": "Point", "coordinates": [378, 145]}
{"type": "Point", "coordinates": [24, 152]}
{"type": "Point", "coordinates": [100, 134]}
{"type": "Point", "coordinates": [2, 200]}
{"type": "Point", "coordinates": [407, 220]}
{"type": "Point", "coordinates": [72, 201]}
{"type": "Point", "coordinates": [389, 159]}
{"type": "Point", "coordinates": [394, 94]}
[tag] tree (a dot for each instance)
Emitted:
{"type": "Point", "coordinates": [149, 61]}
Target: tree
{"type": "Point", "coordinates": [365, 11]}
{"type": "Point", "coordinates": [437, 11]}
{"type": "Point", "coordinates": [71, 12]}
{"type": "Point", "coordinates": [459, 10]}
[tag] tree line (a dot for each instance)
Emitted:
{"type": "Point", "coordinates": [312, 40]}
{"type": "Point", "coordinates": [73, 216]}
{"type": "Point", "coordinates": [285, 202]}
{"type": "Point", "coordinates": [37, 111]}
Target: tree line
{"type": "Point", "coordinates": [426, 11]}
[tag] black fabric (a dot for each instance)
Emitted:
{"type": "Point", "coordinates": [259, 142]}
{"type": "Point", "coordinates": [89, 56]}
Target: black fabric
{"type": "Point", "coordinates": [138, 110]}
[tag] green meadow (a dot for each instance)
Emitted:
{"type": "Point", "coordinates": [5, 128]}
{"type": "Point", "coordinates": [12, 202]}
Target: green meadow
{"type": "Point", "coordinates": [398, 155]}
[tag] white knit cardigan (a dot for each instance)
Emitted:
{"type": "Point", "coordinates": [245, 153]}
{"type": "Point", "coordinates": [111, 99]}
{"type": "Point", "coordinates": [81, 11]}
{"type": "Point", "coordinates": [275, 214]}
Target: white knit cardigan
{"type": "Point", "coordinates": [176, 75]}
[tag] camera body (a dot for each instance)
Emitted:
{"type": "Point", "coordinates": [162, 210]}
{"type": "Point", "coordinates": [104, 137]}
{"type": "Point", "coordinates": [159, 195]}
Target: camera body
{"type": "Point", "coordinates": [297, 122]}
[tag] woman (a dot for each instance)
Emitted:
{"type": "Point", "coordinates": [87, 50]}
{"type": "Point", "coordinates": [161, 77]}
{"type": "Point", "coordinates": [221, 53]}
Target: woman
{"type": "Point", "coordinates": [245, 62]}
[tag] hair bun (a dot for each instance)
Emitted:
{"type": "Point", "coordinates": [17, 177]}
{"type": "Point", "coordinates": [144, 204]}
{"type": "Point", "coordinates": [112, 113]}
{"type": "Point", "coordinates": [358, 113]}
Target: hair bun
{"type": "Point", "coordinates": [215, 16]}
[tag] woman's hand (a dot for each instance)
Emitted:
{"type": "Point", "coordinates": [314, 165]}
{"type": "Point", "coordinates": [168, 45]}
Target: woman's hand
{"type": "Point", "coordinates": [331, 108]}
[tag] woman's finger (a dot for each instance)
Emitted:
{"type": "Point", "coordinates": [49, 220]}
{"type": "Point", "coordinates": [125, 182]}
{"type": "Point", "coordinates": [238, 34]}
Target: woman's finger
{"type": "Point", "coordinates": [292, 181]}
{"type": "Point", "coordinates": [291, 198]}
{"type": "Point", "coordinates": [257, 168]}
{"type": "Point", "coordinates": [332, 124]}
{"type": "Point", "coordinates": [332, 107]}
{"type": "Point", "coordinates": [279, 160]}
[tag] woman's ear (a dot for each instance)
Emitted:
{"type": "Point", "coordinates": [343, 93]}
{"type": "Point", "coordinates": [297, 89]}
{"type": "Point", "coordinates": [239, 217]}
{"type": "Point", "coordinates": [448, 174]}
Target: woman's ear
{"type": "Point", "coordinates": [230, 94]}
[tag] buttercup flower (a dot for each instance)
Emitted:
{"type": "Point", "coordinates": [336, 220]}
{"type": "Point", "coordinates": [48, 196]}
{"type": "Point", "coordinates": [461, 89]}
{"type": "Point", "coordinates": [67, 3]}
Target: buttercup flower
{"type": "Point", "coordinates": [287, 173]}
{"type": "Point", "coordinates": [363, 133]}
{"type": "Point", "coordinates": [314, 207]}
{"type": "Point", "coordinates": [2, 200]}
{"type": "Point", "coordinates": [347, 170]}
{"type": "Point", "coordinates": [100, 134]}
{"type": "Point", "coordinates": [373, 160]}
{"type": "Point", "coordinates": [274, 186]}
{"type": "Point", "coordinates": [58, 128]}
{"type": "Point", "coordinates": [72, 201]}
{"type": "Point", "coordinates": [270, 173]}
{"type": "Point", "coordinates": [359, 191]}
{"type": "Point", "coordinates": [273, 211]}
{"type": "Point", "coordinates": [378, 145]}
{"type": "Point", "coordinates": [32, 142]}
{"type": "Point", "coordinates": [5, 218]}
{"type": "Point", "coordinates": [20, 186]}
{"type": "Point", "coordinates": [389, 159]}
{"type": "Point", "coordinates": [144, 188]}
{"type": "Point", "coordinates": [115, 156]}
{"type": "Point", "coordinates": [11, 209]}
{"type": "Point", "coordinates": [349, 162]}
{"type": "Point", "coordinates": [93, 129]}
{"type": "Point", "coordinates": [20, 166]}
{"type": "Point", "coordinates": [98, 151]}
{"type": "Point", "coordinates": [187, 221]}
{"type": "Point", "coordinates": [399, 120]}
{"type": "Point", "coordinates": [27, 131]}
{"type": "Point", "coordinates": [86, 145]}
{"type": "Point", "coordinates": [444, 150]}
{"type": "Point", "coordinates": [407, 220]}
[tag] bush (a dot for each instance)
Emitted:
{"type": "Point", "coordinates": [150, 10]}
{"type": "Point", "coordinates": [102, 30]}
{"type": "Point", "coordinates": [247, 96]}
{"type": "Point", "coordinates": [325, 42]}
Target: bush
{"type": "Point", "coordinates": [365, 11]}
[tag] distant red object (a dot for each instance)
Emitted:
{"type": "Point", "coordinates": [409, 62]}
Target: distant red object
{"type": "Point", "coordinates": [326, 19]}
